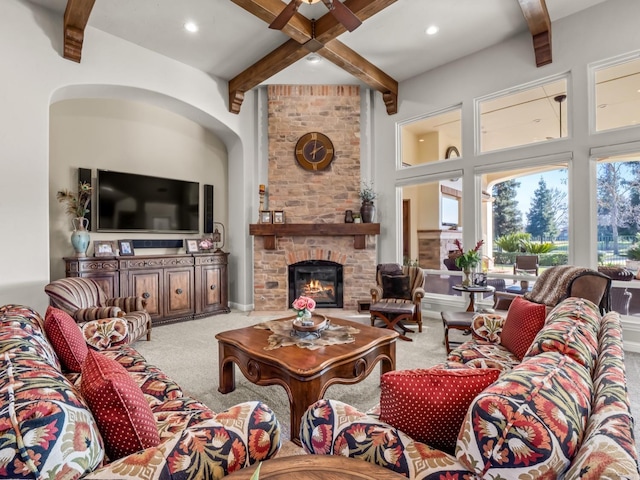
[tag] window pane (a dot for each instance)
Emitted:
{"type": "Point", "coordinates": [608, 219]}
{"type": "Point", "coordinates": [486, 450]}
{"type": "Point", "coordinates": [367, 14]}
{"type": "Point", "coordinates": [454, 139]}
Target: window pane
{"type": "Point", "coordinates": [528, 116]}
{"type": "Point", "coordinates": [527, 227]}
{"type": "Point", "coordinates": [618, 95]}
{"type": "Point", "coordinates": [431, 139]}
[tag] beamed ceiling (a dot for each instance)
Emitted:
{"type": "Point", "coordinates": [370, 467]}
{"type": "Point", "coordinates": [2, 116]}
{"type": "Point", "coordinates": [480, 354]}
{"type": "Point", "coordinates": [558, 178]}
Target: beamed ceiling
{"type": "Point", "coordinates": [303, 35]}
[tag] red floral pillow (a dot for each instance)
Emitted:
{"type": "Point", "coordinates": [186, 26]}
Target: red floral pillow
{"type": "Point", "coordinates": [66, 338]}
{"type": "Point", "coordinates": [123, 415]}
{"type": "Point", "coordinates": [524, 320]}
{"type": "Point", "coordinates": [430, 405]}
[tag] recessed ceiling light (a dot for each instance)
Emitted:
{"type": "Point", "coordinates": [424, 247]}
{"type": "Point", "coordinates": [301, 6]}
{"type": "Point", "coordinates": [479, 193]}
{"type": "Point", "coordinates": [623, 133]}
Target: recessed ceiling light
{"type": "Point", "coordinates": [602, 105]}
{"type": "Point", "coordinates": [536, 120]}
{"type": "Point", "coordinates": [432, 30]}
{"type": "Point", "coordinates": [191, 27]}
{"type": "Point", "coordinates": [313, 58]}
{"type": "Point", "coordinates": [421, 140]}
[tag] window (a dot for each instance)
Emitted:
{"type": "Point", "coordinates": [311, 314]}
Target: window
{"type": "Point", "coordinates": [530, 115]}
{"type": "Point", "coordinates": [431, 138]}
{"type": "Point", "coordinates": [617, 95]}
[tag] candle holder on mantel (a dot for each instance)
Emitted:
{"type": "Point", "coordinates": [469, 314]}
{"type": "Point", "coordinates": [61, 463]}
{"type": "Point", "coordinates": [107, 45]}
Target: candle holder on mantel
{"type": "Point", "coordinates": [261, 193]}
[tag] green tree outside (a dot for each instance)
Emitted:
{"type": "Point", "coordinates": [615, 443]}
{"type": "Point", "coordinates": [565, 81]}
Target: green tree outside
{"type": "Point", "coordinates": [541, 222]}
{"type": "Point", "coordinates": [507, 218]}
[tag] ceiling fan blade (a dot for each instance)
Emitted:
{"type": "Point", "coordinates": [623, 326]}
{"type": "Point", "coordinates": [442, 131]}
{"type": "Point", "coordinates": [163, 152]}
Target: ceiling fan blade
{"type": "Point", "coordinates": [285, 15]}
{"type": "Point", "coordinates": [342, 13]}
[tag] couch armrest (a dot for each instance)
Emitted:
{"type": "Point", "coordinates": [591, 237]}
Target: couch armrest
{"type": "Point", "coordinates": [502, 300]}
{"type": "Point", "coordinates": [331, 427]}
{"type": "Point", "coordinates": [418, 295]}
{"type": "Point", "coordinates": [128, 304]}
{"type": "Point", "coordinates": [236, 438]}
{"type": "Point", "coordinates": [95, 313]}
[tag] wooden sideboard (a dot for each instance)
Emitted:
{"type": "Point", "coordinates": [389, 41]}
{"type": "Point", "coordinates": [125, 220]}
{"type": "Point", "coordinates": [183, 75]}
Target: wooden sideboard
{"type": "Point", "coordinates": [176, 287]}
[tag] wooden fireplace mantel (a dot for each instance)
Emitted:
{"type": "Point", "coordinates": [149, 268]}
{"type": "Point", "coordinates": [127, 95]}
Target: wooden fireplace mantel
{"type": "Point", "coordinates": [272, 230]}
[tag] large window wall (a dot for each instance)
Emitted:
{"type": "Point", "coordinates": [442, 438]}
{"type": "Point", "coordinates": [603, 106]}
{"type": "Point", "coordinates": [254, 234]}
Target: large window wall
{"type": "Point", "coordinates": [526, 142]}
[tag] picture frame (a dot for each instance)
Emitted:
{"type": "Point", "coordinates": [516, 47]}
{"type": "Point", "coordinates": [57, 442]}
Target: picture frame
{"type": "Point", "coordinates": [125, 247]}
{"type": "Point", "coordinates": [278, 216]}
{"type": "Point", "coordinates": [103, 248]}
{"type": "Point", "coordinates": [191, 245]}
{"type": "Point", "coordinates": [266, 216]}
{"type": "Point", "coordinates": [480, 279]}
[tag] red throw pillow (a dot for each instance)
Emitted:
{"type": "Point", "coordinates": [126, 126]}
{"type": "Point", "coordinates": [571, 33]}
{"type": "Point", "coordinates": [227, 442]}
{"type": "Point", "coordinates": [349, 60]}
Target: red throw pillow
{"type": "Point", "coordinates": [124, 417]}
{"type": "Point", "coordinates": [430, 405]}
{"type": "Point", "coordinates": [66, 338]}
{"type": "Point", "coordinates": [524, 321]}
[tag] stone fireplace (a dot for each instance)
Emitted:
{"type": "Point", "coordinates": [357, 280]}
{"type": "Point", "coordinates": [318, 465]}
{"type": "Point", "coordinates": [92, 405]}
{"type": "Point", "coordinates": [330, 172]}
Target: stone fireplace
{"type": "Point", "coordinates": [313, 202]}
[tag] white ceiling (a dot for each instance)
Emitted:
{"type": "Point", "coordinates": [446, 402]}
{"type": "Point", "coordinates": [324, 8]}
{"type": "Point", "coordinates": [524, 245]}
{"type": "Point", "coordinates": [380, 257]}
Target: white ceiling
{"type": "Point", "coordinates": [230, 39]}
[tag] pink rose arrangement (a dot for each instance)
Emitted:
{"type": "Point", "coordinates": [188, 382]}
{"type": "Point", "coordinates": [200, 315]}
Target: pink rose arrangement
{"type": "Point", "coordinates": [303, 305]}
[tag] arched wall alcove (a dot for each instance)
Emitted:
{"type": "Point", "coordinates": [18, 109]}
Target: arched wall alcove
{"type": "Point", "coordinates": [136, 130]}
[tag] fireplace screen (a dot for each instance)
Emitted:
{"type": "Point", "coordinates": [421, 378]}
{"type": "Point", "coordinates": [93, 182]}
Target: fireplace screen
{"type": "Point", "coordinates": [318, 279]}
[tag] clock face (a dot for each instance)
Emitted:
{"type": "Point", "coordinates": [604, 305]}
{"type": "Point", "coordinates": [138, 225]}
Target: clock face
{"type": "Point", "coordinates": [314, 151]}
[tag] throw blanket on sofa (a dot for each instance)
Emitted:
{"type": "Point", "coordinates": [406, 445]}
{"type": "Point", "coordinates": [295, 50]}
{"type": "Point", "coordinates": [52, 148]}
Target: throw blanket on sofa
{"type": "Point", "coordinates": [552, 286]}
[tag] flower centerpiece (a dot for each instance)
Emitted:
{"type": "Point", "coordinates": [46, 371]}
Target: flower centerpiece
{"type": "Point", "coordinates": [205, 243]}
{"type": "Point", "coordinates": [304, 306]}
{"type": "Point", "coordinates": [468, 260]}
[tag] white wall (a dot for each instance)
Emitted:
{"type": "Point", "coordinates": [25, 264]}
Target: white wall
{"type": "Point", "coordinates": [131, 137]}
{"type": "Point", "coordinates": [34, 75]}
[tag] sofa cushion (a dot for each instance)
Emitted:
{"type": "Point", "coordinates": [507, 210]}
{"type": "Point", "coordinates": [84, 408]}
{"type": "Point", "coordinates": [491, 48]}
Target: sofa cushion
{"type": "Point", "coordinates": [66, 337]}
{"type": "Point", "coordinates": [396, 286]}
{"type": "Point", "coordinates": [524, 321]}
{"type": "Point", "coordinates": [429, 405]}
{"type": "Point", "coordinates": [47, 430]}
{"type": "Point", "coordinates": [105, 333]}
{"type": "Point", "coordinates": [123, 415]}
{"type": "Point", "coordinates": [487, 326]}
{"type": "Point", "coordinates": [530, 422]}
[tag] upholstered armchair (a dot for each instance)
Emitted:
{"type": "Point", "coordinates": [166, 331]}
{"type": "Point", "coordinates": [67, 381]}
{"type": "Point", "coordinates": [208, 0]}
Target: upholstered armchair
{"type": "Point", "coordinates": [84, 300]}
{"type": "Point", "coordinates": [398, 284]}
{"type": "Point", "coordinates": [526, 264]}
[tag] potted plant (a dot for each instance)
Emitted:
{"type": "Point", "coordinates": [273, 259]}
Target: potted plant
{"type": "Point", "coordinates": [77, 206]}
{"type": "Point", "coordinates": [367, 196]}
{"type": "Point", "coordinates": [468, 260]}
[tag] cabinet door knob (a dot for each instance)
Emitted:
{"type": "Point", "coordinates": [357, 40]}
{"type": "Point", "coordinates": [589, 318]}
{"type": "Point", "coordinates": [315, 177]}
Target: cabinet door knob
{"type": "Point", "coordinates": [213, 287]}
{"type": "Point", "coordinates": [179, 291]}
{"type": "Point", "coordinates": [146, 295]}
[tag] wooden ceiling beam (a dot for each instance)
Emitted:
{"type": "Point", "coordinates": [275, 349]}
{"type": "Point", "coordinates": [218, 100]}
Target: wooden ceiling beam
{"type": "Point", "coordinates": [301, 31]}
{"type": "Point", "coordinates": [537, 16]}
{"type": "Point", "coordinates": [285, 55]}
{"type": "Point", "coordinates": [76, 16]}
{"type": "Point", "coordinates": [351, 61]}
{"type": "Point", "coordinates": [298, 28]}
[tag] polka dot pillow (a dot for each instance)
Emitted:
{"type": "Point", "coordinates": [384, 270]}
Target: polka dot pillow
{"type": "Point", "coordinates": [67, 340]}
{"type": "Point", "coordinates": [430, 405]}
{"type": "Point", "coordinates": [123, 415]}
{"type": "Point", "coordinates": [524, 320]}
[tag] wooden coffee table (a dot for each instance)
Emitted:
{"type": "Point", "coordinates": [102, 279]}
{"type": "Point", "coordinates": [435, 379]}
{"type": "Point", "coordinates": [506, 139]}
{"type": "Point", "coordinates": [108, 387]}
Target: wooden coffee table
{"type": "Point", "coordinates": [317, 467]}
{"type": "Point", "coordinates": [304, 374]}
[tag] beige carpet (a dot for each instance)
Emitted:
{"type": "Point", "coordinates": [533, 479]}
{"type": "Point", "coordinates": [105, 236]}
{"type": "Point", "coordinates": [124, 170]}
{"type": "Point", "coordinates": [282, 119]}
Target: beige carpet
{"type": "Point", "coordinates": [188, 353]}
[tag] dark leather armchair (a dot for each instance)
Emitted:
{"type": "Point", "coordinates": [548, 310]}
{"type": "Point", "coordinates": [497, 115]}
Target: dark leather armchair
{"type": "Point", "coordinates": [415, 288]}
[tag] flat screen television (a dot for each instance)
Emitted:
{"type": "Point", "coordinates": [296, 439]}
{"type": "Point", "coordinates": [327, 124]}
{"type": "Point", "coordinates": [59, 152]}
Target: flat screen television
{"type": "Point", "coordinates": [129, 202]}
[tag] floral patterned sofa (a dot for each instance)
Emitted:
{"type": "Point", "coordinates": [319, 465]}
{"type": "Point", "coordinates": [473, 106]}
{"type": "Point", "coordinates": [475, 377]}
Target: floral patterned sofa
{"type": "Point", "coordinates": [48, 431]}
{"type": "Point", "coordinates": [561, 412]}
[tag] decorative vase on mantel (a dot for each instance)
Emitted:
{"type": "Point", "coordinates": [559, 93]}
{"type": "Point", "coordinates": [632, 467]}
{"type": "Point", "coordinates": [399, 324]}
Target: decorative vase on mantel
{"type": "Point", "coordinates": [367, 212]}
{"type": "Point", "coordinates": [80, 236]}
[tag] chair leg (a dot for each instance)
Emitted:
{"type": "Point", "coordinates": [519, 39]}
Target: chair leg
{"type": "Point", "coordinates": [149, 331]}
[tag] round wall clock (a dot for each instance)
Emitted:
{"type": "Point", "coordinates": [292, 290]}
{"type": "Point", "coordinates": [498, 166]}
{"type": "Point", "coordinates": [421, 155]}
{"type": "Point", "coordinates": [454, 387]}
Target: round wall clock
{"type": "Point", "coordinates": [314, 151]}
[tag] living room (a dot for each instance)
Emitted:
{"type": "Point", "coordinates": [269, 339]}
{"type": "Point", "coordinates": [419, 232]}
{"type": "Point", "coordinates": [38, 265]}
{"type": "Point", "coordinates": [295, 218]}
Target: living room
{"type": "Point", "coordinates": [45, 93]}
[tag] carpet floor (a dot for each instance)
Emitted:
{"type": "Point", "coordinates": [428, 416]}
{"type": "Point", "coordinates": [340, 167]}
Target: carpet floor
{"type": "Point", "coordinates": [188, 353]}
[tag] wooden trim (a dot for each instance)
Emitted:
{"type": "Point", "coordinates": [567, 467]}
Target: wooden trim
{"type": "Point", "coordinates": [76, 16]}
{"type": "Point", "coordinates": [537, 16]}
{"type": "Point", "coordinates": [270, 231]}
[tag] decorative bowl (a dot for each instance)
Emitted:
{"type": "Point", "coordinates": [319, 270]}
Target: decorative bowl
{"type": "Point", "coordinates": [320, 322]}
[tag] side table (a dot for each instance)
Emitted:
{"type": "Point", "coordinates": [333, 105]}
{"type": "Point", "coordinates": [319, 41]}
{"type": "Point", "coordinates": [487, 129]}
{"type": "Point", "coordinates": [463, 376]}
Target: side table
{"type": "Point", "coordinates": [472, 290]}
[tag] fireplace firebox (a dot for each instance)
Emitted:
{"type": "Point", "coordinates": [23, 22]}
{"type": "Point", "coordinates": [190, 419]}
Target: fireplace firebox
{"type": "Point", "coordinates": [318, 279]}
